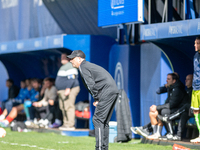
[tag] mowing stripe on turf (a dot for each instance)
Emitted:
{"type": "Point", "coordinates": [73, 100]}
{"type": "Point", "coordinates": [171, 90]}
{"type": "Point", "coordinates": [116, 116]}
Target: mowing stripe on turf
{"type": "Point", "coordinates": [27, 145]}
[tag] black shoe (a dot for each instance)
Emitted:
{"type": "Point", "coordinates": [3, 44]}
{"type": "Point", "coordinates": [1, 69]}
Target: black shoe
{"type": "Point", "coordinates": [162, 118]}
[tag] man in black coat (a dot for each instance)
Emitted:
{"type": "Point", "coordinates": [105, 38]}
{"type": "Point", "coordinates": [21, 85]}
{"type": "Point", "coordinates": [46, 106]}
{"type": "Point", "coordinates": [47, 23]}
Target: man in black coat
{"type": "Point", "coordinates": [12, 89]}
{"type": "Point", "coordinates": [175, 104]}
{"type": "Point", "coordinates": [103, 88]}
{"type": "Point", "coordinates": [183, 113]}
{"type": "Point", "coordinates": [177, 97]}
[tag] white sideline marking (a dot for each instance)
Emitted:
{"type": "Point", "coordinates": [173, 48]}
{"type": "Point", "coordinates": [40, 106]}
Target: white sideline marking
{"type": "Point", "coordinates": [14, 144]}
{"type": "Point", "coordinates": [33, 146]}
{"type": "Point", "coordinates": [63, 142]}
{"type": "Point", "coordinates": [25, 145]}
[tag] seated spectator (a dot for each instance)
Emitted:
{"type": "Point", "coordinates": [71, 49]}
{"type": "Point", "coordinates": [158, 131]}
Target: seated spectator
{"type": "Point", "coordinates": [147, 129]}
{"type": "Point", "coordinates": [28, 84]}
{"type": "Point", "coordinates": [29, 88]}
{"type": "Point", "coordinates": [175, 100]}
{"type": "Point", "coordinates": [46, 107]}
{"type": "Point", "coordinates": [23, 94]}
{"type": "Point", "coordinates": [182, 113]}
{"type": "Point", "coordinates": [34, 95]}
{"type": "Point", "coordinates": [12, 92]}
{"type": "Point", "coordinates": [12, 89]}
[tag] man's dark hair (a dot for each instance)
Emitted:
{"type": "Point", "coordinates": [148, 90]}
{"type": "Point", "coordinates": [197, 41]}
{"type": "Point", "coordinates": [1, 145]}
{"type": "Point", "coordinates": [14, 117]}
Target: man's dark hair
{"type": "Point", "coordinates": [198, 37]}
{"type": "Point", "coordinates": [10, 80]}
{"type": "Point", "coordinates": [174, 76]}
{"type": "Point", "coordinates": [49, 79]}
{"type": "Point", "coordinates": [177, 75]}
{"type": "Point", "coordinates": [65, 53]}
{"type": "Point", "coordinates": [36, 80]}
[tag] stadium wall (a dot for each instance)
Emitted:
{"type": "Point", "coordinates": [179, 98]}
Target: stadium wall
{"type": "Point", "coordinates": [124, 66]}
{"type": "Point", "coordinates": [25, 19]}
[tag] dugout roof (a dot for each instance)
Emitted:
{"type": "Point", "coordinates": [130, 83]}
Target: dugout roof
{"type": "Point", "coordinates": [178, 35]}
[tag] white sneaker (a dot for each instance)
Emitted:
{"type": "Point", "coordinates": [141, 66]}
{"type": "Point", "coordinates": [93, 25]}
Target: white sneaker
{"type": "Point", "coordinates": [28, 123]}
{"type": "Point", "coordinates": [64, 127]}
{"type": "Point", "coordinates": [46, 123]}
{"type": "Point", "coordinates": [153, 136]}
{"type": "Point", "coordinates": [196, 140]}
{"type": "Point", "coordinates": [2, 117]}
{"type": "Point", "coordinates": [133, 129]}
{"type": "Point", "coordinates": [43, 123]}
{"type": "Point", "coordinates": [142, 131]}
{"type": "Point", "coordinates": [35, 121]}
{"type": "Point", "coordinates": [40, 121]}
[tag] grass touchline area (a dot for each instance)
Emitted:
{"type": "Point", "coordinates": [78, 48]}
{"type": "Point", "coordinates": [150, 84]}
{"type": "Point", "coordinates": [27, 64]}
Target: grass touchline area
{"type": "Point", "coordinates": [52, 141]}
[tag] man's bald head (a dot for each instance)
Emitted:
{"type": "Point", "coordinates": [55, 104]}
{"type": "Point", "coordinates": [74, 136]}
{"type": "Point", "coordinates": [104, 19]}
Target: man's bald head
{"type": "Point", "coordinates": [188, 80]}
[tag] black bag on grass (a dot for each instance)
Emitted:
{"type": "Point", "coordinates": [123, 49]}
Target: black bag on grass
{"type": "Point", "coordinates": [17, 126]}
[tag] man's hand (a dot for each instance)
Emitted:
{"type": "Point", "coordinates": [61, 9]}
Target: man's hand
{"type": "Point", "coordinates": [51, 102]}
{"type": "Point", "coordinates": [153, 108]}
{"type": "Point", "coordinates": [165, 85]}
{"type": "Point", "coordinates": [37, 104]}
{"type": "Point", "coordinates": [95, 103]}
{"type": "Point", "coordinates": [67, 91]}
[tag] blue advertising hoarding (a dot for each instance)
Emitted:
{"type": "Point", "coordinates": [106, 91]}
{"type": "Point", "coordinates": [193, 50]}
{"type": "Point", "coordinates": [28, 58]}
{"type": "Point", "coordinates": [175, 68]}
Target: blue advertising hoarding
{"type": "Point", "coordinates": [124, 66]}
{"type": "Point", "coordinates": [113, 12]}
{"type": "Point", "coordinates": [41, 43]}
{"type": "Point", "coordinates": [170, 29]}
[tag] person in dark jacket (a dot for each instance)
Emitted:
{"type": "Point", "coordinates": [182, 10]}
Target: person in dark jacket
{"type": "Point", "coordinates": [175, 100]}
{"type": "Point", "coordinates": [102, 87]}
{"type": "Point", "coordinates": [147, 129]}
{"type": "Point", "coordinates": [12, 93]}
{"type": "Point", "coordinates": [34, 95]}
{"type": "Point", "coordinates": [7, 105]}
{"type": "Point", "coordinates": [182, 113]}
{"type": "Point", "coordinates": [12, 89]}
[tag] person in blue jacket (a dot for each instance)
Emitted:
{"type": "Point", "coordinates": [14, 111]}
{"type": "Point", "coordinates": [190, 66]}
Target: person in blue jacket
{"type": "Point", "coordinates": [9, 104]}
{"type": "Point", "coordinates": [34, 96]}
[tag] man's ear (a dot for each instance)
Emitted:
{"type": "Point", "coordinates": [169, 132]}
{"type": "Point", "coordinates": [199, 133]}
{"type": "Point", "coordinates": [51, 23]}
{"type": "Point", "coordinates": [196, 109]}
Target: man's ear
{"type": "Point", "coordinates": [174, 81]}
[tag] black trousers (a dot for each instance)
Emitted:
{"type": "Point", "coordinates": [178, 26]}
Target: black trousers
{"type": "Point", "coordinates": [32, 112]}
{"type": "Point", "coordinates": [49, 112]}
{"type": "Point", "coordinates": [42, 112]}
{"type": "Point", "coordinates": [148, 127]}
{"type": "Point", "coordinates": [182, 123]}
{"type": "Point", "coordinates": [183, 115]}
{"type": "Point", "coordinates": [55, 110]}
{"type": "Point", "coordinates": [173, 114]}
{"type": "Point", "coordinates": [167, 112]}
{"type": "Point", "coordinates": [101, 118]}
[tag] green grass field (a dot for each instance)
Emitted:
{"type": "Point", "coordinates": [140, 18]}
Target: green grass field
{"type": "Point", "coordinates": [53, 141]}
